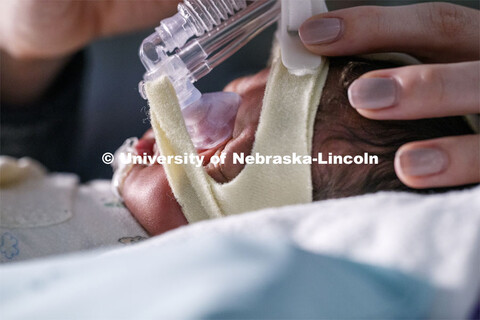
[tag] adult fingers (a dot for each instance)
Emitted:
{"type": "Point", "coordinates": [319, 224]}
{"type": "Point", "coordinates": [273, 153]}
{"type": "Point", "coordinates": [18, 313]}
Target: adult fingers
{"type": "Point", "coordinates": [443, 162]}
{"type": "Point", "coordinates": [118, 16]}
{"type": "Point", "coordinates": [435, 32]}
{"type": "Point", "coordinates": [48, 29]}
{"type": "Point", "coordinates": [416, 92]}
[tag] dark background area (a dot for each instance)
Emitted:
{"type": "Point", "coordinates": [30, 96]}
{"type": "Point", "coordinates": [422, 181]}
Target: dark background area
{"type": "Point", "coordinates": [112, 109]}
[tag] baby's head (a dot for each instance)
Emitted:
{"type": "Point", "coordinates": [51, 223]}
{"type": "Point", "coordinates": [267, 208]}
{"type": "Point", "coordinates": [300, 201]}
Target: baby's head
{"type": "Point", "coordinates": [338, 129]}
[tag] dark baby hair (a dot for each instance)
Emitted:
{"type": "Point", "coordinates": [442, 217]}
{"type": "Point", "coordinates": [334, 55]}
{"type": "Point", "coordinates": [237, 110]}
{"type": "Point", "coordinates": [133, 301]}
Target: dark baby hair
{"type": "Point", "coordinates": [339, 129]}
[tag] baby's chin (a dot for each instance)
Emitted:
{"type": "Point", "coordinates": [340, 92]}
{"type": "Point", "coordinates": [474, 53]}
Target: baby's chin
{"type": "Point", "coordinates": [146, 190]}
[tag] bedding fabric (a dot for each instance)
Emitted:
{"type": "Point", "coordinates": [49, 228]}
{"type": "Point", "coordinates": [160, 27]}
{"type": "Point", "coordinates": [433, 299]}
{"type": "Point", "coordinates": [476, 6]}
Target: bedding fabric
{"type": "Point", "coordinates": [211, 277]}
{"type": "Point", "coordinates": [385, 255]}
{"type": "Point", "coordinates": [434, 237]}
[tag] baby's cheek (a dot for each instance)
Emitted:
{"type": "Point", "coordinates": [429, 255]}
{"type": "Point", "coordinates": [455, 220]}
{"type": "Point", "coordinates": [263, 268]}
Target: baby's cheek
{"type": "Point", "coordinates": [229, 169]}
{"type": "Point", "coordinates": [148, 196]}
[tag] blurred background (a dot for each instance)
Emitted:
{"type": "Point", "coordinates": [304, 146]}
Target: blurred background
{"type": "Point", "coordinates": [112, 109]}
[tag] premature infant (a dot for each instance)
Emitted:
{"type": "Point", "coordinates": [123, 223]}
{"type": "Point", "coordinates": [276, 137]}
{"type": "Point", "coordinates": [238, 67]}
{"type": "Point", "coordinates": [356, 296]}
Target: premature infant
{"type": "Point", "coordinates": [41, 209]}
{"type": "Point", "coordinates": [338, 129]}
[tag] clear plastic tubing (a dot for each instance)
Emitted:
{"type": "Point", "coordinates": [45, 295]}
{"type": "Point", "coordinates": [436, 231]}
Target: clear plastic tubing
{"type": "Point", "coordinates": [203, 33]}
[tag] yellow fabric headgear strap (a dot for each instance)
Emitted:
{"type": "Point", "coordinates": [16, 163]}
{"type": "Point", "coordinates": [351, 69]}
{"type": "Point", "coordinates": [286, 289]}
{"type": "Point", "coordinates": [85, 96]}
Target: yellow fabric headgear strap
{"type": "Point", "coordinates": [286, 127]}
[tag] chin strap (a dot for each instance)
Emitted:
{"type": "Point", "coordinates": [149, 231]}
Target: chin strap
{"type": "Point", "coordinates": [285, 128]}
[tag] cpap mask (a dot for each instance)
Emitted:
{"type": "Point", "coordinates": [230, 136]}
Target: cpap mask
{"type": "Point", "coordinates": [203, 34]}
{"type": "Point", "coordinates": [188, 45]}
{"type": "Point", "coordinates": [285, 127]}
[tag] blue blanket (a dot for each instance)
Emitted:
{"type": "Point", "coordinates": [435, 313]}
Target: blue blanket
{"type": "Point", "coordinates": [208, 277]}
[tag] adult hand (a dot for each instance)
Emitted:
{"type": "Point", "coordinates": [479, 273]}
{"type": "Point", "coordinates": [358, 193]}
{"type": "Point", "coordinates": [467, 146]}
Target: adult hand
{"type": "Point", "coordinates": [38, 36]}
{"type": "Point", "coordinates": [51, 28]}
{"type": "Point", "coordinates": [445, 35]}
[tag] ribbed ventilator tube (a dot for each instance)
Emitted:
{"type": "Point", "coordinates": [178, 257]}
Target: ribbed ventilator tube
{"type": "Point", "coordinates": [207, 14]}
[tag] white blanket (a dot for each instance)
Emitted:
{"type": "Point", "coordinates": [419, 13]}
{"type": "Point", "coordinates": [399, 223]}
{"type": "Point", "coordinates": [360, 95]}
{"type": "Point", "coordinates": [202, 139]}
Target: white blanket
{"type": "Point", "coordinates": [434, 237]}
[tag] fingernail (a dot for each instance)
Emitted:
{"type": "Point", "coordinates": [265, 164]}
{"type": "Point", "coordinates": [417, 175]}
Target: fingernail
{"type": "Point", "coordinates": [373, 93]}
{"type": "Point", "coordinates": [422, 161]}
{"type": "Point", "coordinates": [320, 31]}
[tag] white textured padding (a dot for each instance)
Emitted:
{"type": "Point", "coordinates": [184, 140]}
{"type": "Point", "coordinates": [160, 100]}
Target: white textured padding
{"type": "Point", "coordinates": [298, 60]}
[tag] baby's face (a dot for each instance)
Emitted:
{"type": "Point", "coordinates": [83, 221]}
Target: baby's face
{"type": "Point", "coordinates": [338, 129]}
{"type": "Point", "coordinates": [146, 190]}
